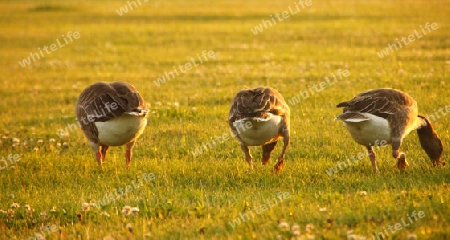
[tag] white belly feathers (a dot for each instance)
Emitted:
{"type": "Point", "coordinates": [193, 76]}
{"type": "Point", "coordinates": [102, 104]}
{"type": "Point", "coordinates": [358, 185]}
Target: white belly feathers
{"type": "Point", "coordinates": [262, 131]}
{"type": "Point", "coordinates": [121, 130]}
{"type": "Point", "coordinates": [370, 132]}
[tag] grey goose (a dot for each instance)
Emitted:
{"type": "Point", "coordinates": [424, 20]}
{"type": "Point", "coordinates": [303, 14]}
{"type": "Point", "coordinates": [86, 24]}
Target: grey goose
{"type": "Point", "coordinates": [111, 114]}
{"type": "Point", "coordinates": [388, 115]}
{"type": "Point", "coordinates": [259, 117]}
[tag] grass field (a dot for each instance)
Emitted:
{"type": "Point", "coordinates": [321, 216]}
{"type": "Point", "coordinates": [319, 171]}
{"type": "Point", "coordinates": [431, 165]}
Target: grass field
{"type": "Point", "coordinates": [213, 195]}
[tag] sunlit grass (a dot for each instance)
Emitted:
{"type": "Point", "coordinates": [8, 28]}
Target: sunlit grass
{"type": "Point", "coordinates": [194, 197]}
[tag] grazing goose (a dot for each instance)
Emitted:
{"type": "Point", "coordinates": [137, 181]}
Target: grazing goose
{"type": "Point", "coordinates": [259, 117]}
{"type": "Point", "coordinates": [388, 115]}
{"type": "Point", "coordinates": [111, 114]}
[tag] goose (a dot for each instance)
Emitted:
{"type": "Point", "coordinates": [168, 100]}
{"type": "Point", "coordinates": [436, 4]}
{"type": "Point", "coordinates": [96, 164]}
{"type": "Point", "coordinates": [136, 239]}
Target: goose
{"type": "Point", "coordinates": [259, 117]}
{"type": "Point", "coordinates": [386, 116]}
{"type": "Point", "coordinates": [111, 114]}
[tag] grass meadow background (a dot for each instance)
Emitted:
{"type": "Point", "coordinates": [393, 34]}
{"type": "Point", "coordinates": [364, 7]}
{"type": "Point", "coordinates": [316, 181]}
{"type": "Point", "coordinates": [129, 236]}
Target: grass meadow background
{"type": "Point", "coordinates": [197, 197]}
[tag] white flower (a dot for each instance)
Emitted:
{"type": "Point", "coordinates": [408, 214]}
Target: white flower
{"type": "Point", "coordinates": [105, 214]}
{"type": "Point", "coordinates": [309, 227]}
{"type": "Point", "coordinates": [126, 210]}
{"type": "Point", "coordinates": [363, 193]}
{"type": "Point", "coordinates": [284, 226]}
{"type": "Point", "coordinates": [27, 206]}
{"type": "Point", "coordinates": [43, 215]}
{"type": "Point", "coordinates": [134, 210]}
{"type": "Point", "coordinates": [85, 207]}
{"type": "Point", "coordinates": [15, 205]}
{"type": "Point", "coordinates": [295, 230]}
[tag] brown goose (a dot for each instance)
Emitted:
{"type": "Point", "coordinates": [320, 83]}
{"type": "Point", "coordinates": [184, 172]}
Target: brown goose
{"type": "Point", "coordinates": [259, 117]}
{"type": "Point", "coordinates": [111, 114]}
{"type": "Point", "coordinates": [386, 116]}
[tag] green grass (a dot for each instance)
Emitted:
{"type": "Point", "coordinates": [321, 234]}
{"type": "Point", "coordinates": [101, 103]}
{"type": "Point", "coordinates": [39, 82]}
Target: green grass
{"type": "Point", "coordinates": [197, 197]}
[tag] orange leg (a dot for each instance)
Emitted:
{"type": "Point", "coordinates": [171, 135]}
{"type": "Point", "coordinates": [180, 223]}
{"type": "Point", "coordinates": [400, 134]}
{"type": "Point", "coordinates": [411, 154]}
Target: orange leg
{"type": "Point", "coordinates": [401, 162]}
{"type": "Point", "coordinates": [279, 166]}
{"type": "Point", "coordinates": [104, 148]}
{"type": "Point", "coordinates": [248, 156]}
{"type": "Point", "coordinates": [267, 150]}
{"type": "Point", "coordinates": [129, 153]}
{"type": "Point", "coordinates": [373, 158]}
{"type": "Point", "coordinates": [98, 156]}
